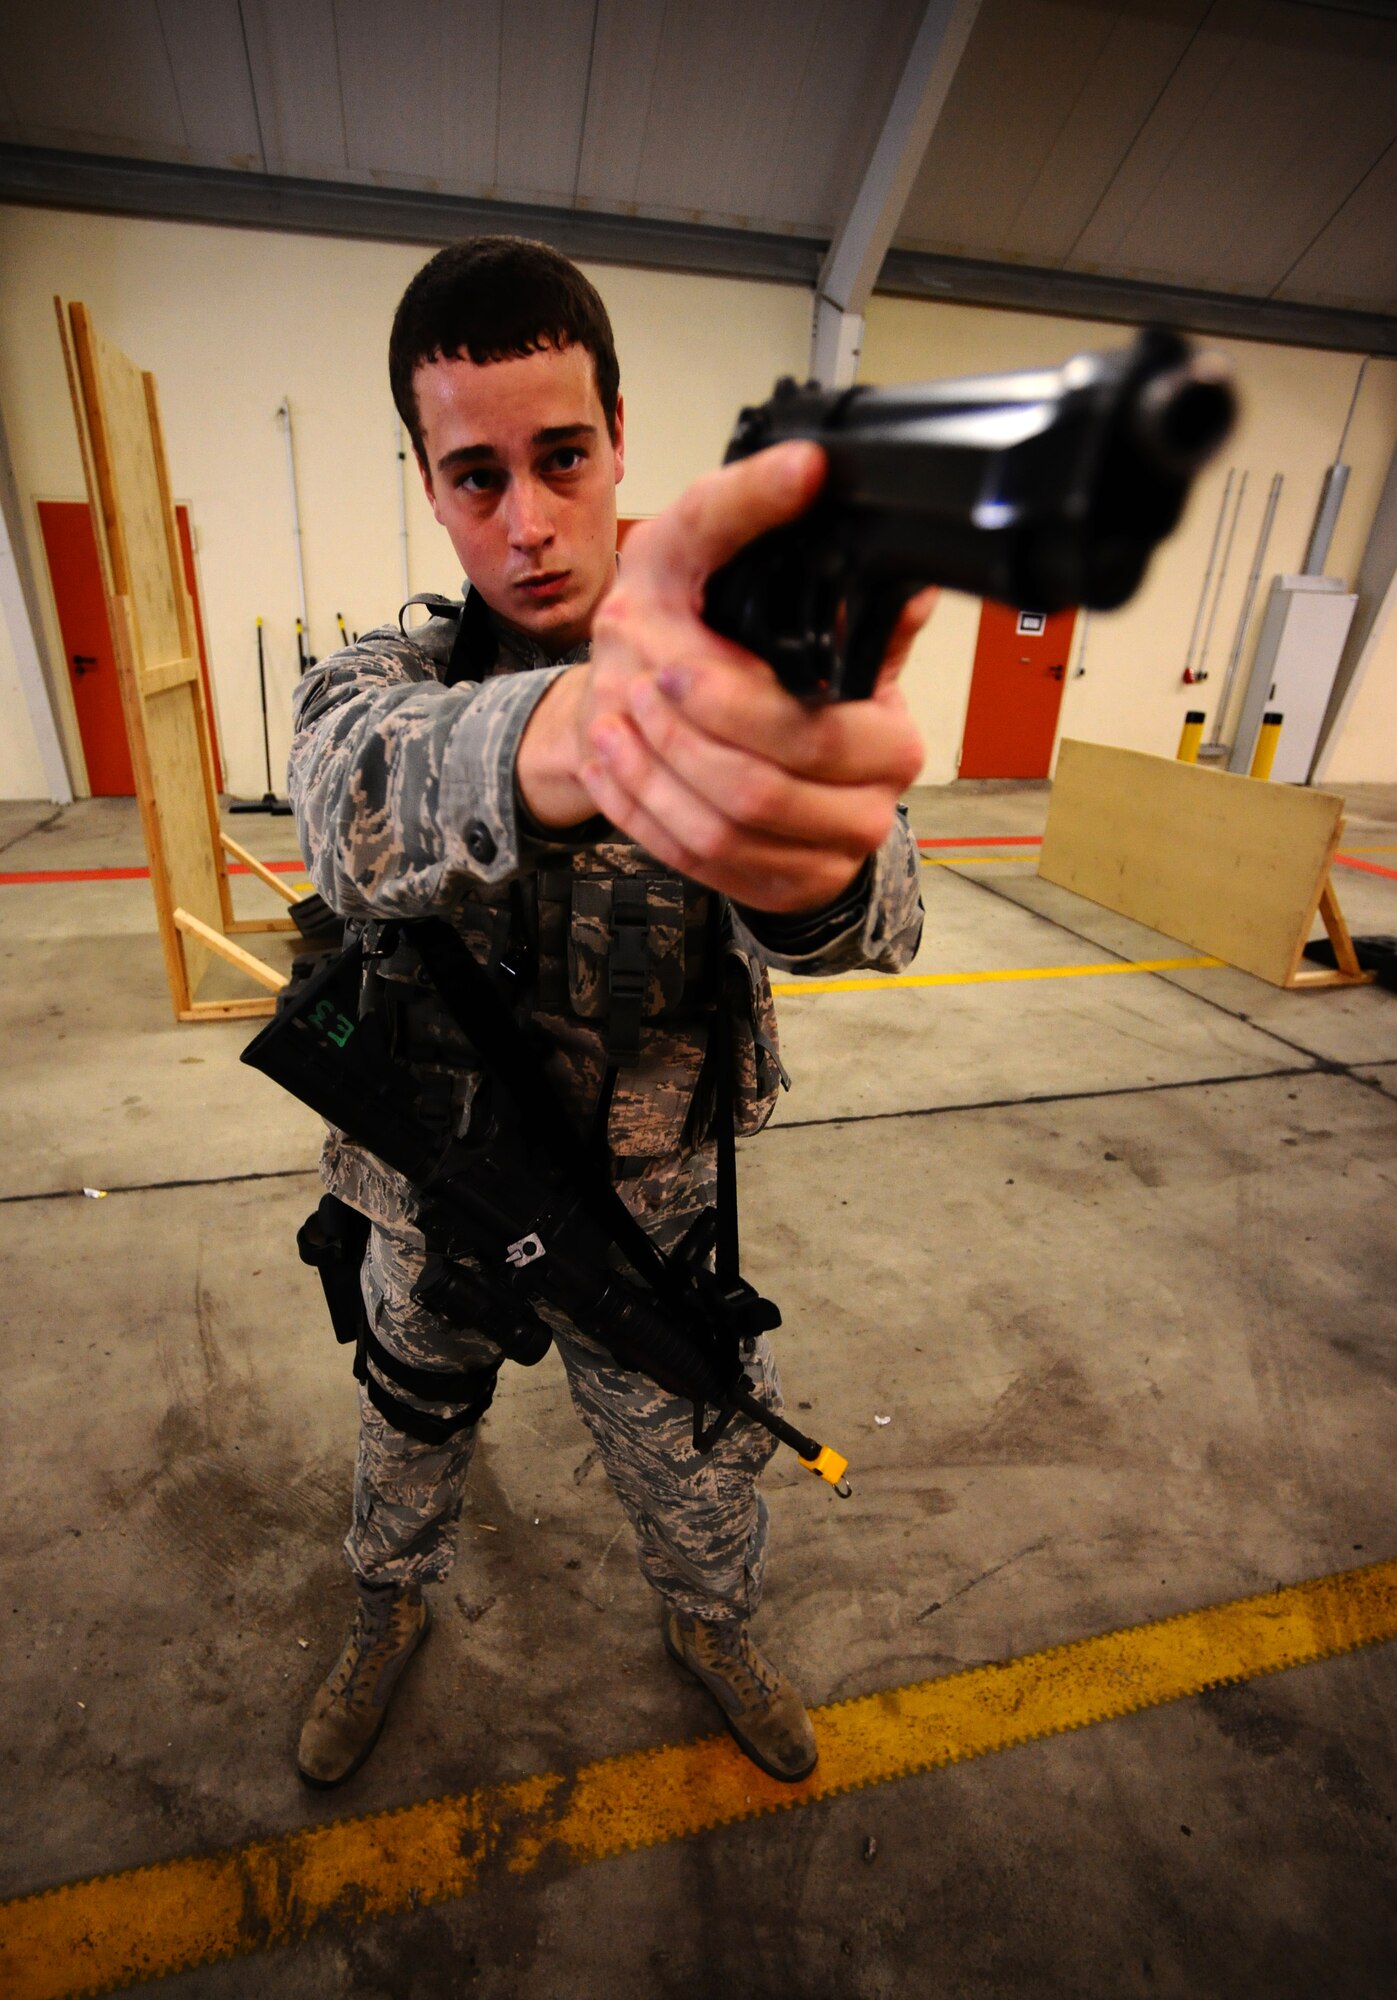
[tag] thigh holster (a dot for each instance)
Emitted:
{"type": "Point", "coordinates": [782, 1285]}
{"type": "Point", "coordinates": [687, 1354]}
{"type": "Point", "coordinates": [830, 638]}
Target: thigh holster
{"type": "Point", "coordinates": [333, 1241]}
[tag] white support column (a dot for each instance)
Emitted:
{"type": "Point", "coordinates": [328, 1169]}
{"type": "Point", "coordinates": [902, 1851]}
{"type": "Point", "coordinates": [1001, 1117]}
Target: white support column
{"type": "Point", "coordinates": [837, 344]}
{"type": "Point", "coordinates": [19, 611]}
{"type": "Point", "coordinates": [856, 255]}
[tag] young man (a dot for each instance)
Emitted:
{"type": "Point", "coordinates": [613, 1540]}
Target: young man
{"type": "Point", "coordinates": [561, 756]}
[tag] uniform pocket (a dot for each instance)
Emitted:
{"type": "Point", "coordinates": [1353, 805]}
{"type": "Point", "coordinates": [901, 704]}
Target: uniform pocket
{"type": "Point", "coordinates": [601, 922]}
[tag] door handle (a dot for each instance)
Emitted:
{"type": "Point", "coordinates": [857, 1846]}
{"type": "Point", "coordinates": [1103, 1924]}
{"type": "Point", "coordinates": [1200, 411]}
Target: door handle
{"type": "Point", "coordinates": [82, 661]}
{"type": "Point", "coordinates": [1057, 672]}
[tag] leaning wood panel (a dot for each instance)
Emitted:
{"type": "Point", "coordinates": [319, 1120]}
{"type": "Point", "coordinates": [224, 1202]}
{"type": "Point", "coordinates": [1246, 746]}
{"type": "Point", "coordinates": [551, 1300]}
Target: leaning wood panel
{"type": "Point", "coordinates": [191, 869]}
{"type": "Point", "coordinates": [1230, 865]}
{"type": "Point", "coordinates": [133, 502]}
{"type": "Point", "coordinates": [118, 419]}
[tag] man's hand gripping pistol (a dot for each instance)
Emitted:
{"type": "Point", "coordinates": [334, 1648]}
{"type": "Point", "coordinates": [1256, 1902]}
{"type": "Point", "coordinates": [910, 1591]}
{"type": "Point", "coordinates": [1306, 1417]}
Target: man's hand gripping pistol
{"type": "Point", "coordinates": [1043, 489]}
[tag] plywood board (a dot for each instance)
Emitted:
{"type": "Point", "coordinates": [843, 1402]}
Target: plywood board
{"type": "Point", "coordinates": [1229, 865]}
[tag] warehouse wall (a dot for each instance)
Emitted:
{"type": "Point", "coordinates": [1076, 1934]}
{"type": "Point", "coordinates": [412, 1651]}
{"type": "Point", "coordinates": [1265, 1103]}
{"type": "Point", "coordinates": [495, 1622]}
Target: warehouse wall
{"type": "Point", "coordinates": [230, 321]}
{"type": "Point", "coordinates": [1294, 403]}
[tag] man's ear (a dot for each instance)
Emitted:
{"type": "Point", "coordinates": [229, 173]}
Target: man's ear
{"type": "Point", "coordinates": [619, 447]}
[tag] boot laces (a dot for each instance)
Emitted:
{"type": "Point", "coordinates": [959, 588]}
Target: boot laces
{"type": "Point", "coordinates": [377, 1633]}
{"type": "Point", "coordinates": [739, 1657]}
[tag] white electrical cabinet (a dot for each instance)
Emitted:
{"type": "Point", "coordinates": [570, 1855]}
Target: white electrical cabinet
{"type": "Point", "coordinates": [1297, 656]}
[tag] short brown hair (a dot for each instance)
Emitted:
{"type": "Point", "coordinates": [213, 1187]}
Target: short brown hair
{"type": "Point", "coordinates": [496, 298]}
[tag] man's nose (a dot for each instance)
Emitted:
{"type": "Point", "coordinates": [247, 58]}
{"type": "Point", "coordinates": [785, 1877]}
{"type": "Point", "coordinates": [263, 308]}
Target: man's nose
{"type": "Point", "coordinates": [529, 515]}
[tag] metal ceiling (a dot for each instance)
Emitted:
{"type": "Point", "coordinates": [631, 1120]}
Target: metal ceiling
{"type": "Point", "coordinates": [1234, 161]}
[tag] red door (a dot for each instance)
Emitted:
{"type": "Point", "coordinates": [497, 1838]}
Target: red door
{"type": "Point", "coordinates": [1015, 692]}
{"type": "Point", "coordinates": [71, 548]}
{"type": "Point", "coordinates": [76, 574]}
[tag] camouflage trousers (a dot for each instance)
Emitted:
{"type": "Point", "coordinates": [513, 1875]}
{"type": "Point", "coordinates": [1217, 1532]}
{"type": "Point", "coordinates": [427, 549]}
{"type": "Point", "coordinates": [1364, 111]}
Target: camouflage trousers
{"type": "Point", "coordinates": [700, 1524]}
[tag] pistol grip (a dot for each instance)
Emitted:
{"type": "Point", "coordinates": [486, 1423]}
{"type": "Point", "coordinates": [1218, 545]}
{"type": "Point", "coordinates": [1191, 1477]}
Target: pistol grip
{"type": "Point", "coordinates": [872, 616]}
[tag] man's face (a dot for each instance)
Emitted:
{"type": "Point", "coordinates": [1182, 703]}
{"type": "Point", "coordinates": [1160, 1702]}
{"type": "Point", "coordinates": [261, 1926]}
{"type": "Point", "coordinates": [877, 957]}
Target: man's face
{"type": "Point", "coordinates": [522, 475]}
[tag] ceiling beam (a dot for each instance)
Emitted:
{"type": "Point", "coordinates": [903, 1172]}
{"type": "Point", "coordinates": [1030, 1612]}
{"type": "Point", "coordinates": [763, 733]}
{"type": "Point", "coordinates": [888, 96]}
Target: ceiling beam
{"type": "Point", "coordinates": [861, 243]}
{"type": "Point", "coordinates": [1080, 295]}
{"type": "Point", "coordinates": [32, 177]}
{"type": "Point", "coordinates": [41, 178]}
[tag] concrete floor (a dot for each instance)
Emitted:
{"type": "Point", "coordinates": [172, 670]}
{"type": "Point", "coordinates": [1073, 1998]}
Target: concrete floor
{"type": "Point", "coordinates": [1114, 1255]}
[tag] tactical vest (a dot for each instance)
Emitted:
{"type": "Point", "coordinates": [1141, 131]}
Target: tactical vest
{"type": "Point", "coordinates": [624, 961]}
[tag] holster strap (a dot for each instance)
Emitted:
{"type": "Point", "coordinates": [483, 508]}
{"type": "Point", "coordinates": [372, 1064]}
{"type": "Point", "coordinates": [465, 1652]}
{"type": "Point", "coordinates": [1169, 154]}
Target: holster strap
{"type": "Point", "coordinates": [442, 1385]}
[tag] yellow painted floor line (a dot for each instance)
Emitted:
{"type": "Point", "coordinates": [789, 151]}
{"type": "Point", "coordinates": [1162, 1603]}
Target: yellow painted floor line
{"type": "Point", "coordinates": [796, 986]}
{"type": "Point", "coordinates": [116, 1930]}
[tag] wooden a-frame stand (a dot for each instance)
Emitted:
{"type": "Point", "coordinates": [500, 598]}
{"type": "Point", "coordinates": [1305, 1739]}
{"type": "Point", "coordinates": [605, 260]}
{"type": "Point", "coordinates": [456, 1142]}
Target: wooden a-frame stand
{"type": "Point", "coordinates": [162, 698]}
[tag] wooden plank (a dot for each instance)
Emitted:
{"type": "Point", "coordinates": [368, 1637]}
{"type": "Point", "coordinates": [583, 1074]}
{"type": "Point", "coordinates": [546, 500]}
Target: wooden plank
{"type": "Point", "coordinates": [1227, 864]}
{"type": "Point", "coordinates": [182, 973]}
{"type": "Point", "coordinates": [1346, 971]}
{"type": "Point", "coordinates": [240, 925]}
{"type": "Point", "coordinates": [263, 873]}
{"type": "Point", "coordinates": [136, 502]}
{"type": "Point", "coordinates": [188, 640]}
{"type": "Point", "coordinates": [101, 490]}
{"type": "Point", "coordinates": [246, 961]}
{"type": "Point", "coordinates": [192, 862]}
{"type": "Point", "coordinates": [228, 1010]}
{"type": "Point", "coordinates": [70, 367]}
{"type": "Point", "coordinates": [174, 673]}
{"type": "Point", "coordinates": [174, 561]}
{"type": "Point", "coordinates": [1345, 957]}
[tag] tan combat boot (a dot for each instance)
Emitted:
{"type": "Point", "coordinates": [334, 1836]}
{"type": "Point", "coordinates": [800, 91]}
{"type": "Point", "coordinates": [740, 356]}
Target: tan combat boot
{"type": "Point", "coordinates": [760, 1706]}
{"type": "Point", "coordinates": [350, 1708]}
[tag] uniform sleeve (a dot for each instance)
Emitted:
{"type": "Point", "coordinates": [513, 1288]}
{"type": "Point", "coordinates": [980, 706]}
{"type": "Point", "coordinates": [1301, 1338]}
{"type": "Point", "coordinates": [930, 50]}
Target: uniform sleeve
{"type": "Point", "coordinates": [404, 788]}
{"type": "Point", "coordinates": [876, 923]}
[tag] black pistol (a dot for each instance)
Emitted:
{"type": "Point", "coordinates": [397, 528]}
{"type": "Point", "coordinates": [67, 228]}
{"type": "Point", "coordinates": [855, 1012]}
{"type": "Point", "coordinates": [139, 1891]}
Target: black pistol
{"type": "Point", "coordinates": [1043, 489]}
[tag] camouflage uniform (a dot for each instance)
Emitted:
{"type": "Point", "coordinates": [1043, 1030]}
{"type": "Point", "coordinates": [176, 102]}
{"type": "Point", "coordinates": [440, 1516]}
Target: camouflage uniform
{"type": "Point", "coordinates": [403, 785]}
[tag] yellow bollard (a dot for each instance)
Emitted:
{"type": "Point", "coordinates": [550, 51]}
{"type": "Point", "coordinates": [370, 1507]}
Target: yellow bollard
{"type": "Point", "coordinates": [1192, 736]}
{"type": "Point", "coordinates": [1264, 756]}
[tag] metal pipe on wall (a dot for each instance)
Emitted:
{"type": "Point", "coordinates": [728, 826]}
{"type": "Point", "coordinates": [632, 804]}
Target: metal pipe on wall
{"type": "Point", "coordinates": [1331, 493]}
{"type": "Point", "coordinates": [1272, 500]}
{"type": "Point", "coordinates": [1208, 573]}
{"type": "Point", "coordinates": [1216, 738]}
{"type": "Point", "coordinates": [284, 418]}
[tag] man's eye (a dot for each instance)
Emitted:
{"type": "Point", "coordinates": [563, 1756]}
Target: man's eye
{"type": "Point", "coordinates": [567, 458]}
{"type": "Point", "coordinates": [479, 479]}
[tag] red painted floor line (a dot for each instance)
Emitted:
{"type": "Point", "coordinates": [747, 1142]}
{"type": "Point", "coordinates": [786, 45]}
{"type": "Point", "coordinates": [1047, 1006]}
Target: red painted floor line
{"type": "Point", "coordinates": [130, 874]}
{"type": "Point", "coordinates": [1368, 867]}
{"type": "Point", "coordinates": [989, 840]}
{"type": "Point", "coordinates": [299, 867]}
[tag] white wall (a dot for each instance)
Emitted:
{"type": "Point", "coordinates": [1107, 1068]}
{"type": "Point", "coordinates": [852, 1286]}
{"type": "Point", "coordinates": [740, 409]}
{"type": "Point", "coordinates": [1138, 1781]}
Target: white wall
{"type": "Point", "coordinates": [1294, 403]}
{"type": "Point", "coordinates": [21, 767]}
{"type": "Point", "coordinates": [231, 321]}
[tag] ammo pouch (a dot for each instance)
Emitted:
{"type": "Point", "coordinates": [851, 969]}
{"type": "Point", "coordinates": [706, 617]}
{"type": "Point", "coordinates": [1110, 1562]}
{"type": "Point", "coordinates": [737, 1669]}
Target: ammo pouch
{"type": "Point", "coordinates": [620, 948]}
{"type": "Point", "coordinates": [333, 1240]}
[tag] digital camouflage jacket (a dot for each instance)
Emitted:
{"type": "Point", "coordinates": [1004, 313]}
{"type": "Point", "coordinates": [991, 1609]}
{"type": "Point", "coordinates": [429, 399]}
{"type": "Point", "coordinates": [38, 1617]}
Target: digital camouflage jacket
{"type": "Point", "coordinates": [402, 778]}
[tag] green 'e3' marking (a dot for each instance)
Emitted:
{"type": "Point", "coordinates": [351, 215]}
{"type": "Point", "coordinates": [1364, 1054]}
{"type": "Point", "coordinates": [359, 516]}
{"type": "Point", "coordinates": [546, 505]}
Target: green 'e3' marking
{"type": "Point", "coordinates": [338, 1027]}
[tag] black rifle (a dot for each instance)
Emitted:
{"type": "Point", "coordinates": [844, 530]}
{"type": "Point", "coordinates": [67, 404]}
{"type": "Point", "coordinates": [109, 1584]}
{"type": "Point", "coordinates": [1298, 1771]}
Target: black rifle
{"type": "Point", "coordinates": [1042, 490]}
{"type": "Point", "coordinates": [517, 1214]}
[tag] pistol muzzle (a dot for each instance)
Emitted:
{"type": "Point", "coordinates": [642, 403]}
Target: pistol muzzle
{"type": "Point", "coordinates": [1185, 413]}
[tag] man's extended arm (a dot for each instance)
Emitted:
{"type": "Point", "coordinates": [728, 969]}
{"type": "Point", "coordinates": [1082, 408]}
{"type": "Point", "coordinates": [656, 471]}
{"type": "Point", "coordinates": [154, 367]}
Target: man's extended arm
{"type": "Point", "coordinates": [691, 745]}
